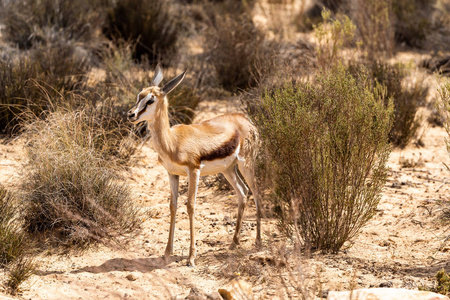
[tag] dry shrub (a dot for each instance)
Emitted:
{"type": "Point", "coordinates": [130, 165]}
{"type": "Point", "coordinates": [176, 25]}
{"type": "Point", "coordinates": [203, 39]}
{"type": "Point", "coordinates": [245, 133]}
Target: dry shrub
{"type": "Point", "coordinates": [444, 107]}
{"type": "Point", "coordinates": [57, 65]}
{"type": "Point", "coordinates": [71, 185]}
{"type": "Point", "coordinates": [413, 21]}
{"type": "Point", "coordinates": [326, 147]}
{"type": "Point", "coordinates": [239, 52]}
{"type": "Point", "coordinates": [150, 23]}
{"type": "Point", "coordinates": [382, 23]}
{"type": "Point", "coordinates": [407, 97]}
{"type": "Point", "coordinates": [332, 36]}
{"type": "Point", "coordinates": [182, 104]}
{"type": "Point", "coordinates": [29, 22]}
{"type": "Point", "coordinates": [373, 19]}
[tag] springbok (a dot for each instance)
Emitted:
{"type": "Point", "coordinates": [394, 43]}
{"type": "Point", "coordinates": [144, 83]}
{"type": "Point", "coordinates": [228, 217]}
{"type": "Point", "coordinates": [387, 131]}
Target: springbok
{"type": "Point", "coordinates": [219, 145]}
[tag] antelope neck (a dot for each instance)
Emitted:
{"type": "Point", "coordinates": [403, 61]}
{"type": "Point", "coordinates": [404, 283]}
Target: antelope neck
{"type": "Point", "coordinates": [160, 129]}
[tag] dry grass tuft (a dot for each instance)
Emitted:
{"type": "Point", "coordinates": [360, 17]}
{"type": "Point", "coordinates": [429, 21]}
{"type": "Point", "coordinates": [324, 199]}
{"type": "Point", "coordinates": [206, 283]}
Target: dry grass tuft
{"type": "Point", "coordinates": [15, 245]}
{"type": "Point", "coordinates": [71, 185]}
{"type": "Point", "coordinates": [13, 242]}
{"type": "Point", "coordinates": [19, 272]}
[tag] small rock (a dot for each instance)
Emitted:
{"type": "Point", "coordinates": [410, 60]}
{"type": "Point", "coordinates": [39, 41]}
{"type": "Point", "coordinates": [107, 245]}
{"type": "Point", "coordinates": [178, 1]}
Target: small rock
{"type": "Point", "coordinates": [325, 293]}
{"type": "Point", "coordinates": [237, 290]}
{"type": "Point", "coordinates": [386, 284]}
{"type": "Point", "coordinates": [131, 277]}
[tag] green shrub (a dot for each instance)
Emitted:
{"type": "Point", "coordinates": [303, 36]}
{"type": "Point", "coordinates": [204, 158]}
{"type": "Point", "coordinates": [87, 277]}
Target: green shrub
{"type": "Point", "coordinates": [443, 282]}
{"type": "Point", "coordinates": [325, 144]}
{"type": "Point", "coordinates": [149, 23]}
{"type": "Point", "coordinates": [71, 185]}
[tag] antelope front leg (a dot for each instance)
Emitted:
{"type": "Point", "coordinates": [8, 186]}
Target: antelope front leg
{"type": "Point", "coordinates": [193, 176]}
{"type": "Point", "coordinates": [174, 182]}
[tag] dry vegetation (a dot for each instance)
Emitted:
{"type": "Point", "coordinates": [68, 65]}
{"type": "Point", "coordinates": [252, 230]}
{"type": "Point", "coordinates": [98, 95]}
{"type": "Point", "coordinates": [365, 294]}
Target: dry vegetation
{"type": "Point", "coordinates": [322, 81]}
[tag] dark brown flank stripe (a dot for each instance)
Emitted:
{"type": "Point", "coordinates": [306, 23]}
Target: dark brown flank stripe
{"type": "Point", "coordinates": [223, 151]}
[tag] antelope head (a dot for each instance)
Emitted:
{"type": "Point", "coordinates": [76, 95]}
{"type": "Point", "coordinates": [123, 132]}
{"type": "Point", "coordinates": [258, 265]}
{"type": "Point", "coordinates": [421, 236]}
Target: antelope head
{"type": "Point", "coordinates": [153, 98]}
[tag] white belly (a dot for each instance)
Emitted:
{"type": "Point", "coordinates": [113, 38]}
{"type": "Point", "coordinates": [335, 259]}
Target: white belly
{"type": "Point", "coordinates": [210, 167]}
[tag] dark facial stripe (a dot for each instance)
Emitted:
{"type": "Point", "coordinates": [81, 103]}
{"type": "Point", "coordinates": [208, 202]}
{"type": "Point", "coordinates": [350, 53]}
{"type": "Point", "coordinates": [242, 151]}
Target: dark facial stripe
{"type": "Point", "coordinates": [223, 151]}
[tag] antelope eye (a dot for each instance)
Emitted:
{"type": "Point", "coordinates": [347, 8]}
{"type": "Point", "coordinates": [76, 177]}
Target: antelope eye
{"type": "Point", "coordinates": [150, 101]}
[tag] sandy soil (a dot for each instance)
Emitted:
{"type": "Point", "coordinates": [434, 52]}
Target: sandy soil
{"type": "Point", "coordinates": [404, 245]}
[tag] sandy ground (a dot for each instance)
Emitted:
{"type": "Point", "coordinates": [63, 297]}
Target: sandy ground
{"type": "Point", "coordinates": [404, 245]}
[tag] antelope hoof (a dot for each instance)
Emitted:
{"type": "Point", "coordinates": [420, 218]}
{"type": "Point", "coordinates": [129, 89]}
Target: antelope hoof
{"type": "Point", "coordinates": [191, 263]}
{"type": "Point", "coordinates": [167, 255]}
{"type": "Point", "coordinates": [233, 246]}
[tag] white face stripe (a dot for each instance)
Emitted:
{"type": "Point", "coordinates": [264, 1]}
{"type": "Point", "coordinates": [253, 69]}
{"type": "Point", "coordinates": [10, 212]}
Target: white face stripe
{"type": "Point", "coordinates": [150, 95]}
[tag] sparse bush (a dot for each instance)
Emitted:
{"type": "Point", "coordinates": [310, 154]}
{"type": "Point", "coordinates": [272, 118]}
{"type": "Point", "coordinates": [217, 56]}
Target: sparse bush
{"type": "Point", "coordinates": [441, 286]}
{"type": "Point", "coordinates": [413, 21]}
{"type": "Point", "coordinates": [182, 104]}
{"type": "Point", "coordinates": [149, 23]}
{"type": "Point", "coordinates": [444, 108]}
{"type": "Point", "coordinates": [407, 98]}
{"type": "Point", "coordinates": [58, 66]}
{"type": "Point", "coordinates": [373, 19]}
{"type": "Point", "coordinates": [332, 36]}
{"type": "Point", "coordinates": [71, 185]}
{"type": "Point", "coordinates": [239, 52]}
{"type": "Point", "coordinates": [29, 22]}
{"type": "Point", "coordinates": [326, 147]}
{"type": "Point", "coordinates": [443, 282]}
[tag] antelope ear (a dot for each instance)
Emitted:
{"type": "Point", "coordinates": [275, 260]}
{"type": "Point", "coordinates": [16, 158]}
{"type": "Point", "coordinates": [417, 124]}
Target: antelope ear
{"type": "Point", "coordinates": [173, 83]}
{"type": "Point", "coordinates": [158, 76]}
